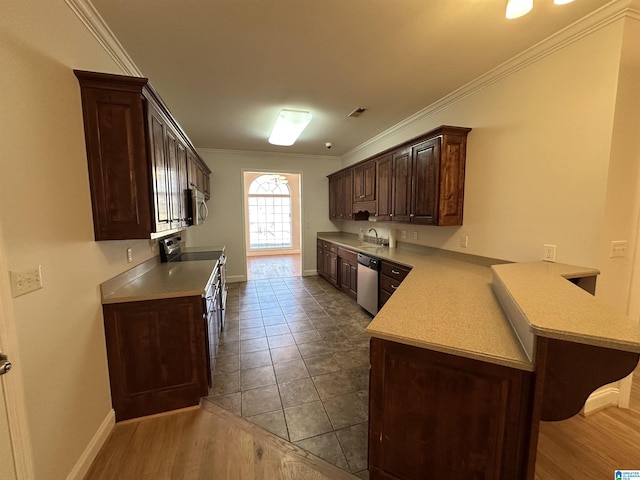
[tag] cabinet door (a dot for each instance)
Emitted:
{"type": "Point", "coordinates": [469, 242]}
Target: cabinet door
{"type": "Point", "coordinates": [334, 186]}
{"type": "Point", "coordinates": [358, 184]}
{"type": "Point", "coordinates": [173, 179]}
{"type": "Point", "coordinates": [434, 415]}
{"type": "Point", "coordinates": [345, 275]}
{"type": "Point", "coordinates": [401, 185]}
{"type": "Point", "coordinates": [118, 166]}
{"type": "Point", "coordinates": [183, 184]}
{"type": "Point", "coordinates": [383, 187]}
{"type": "Point", "coordinates": [156, 354]}
{"type": "Point", "coordinates": [452, 168]}
{"type": "Point", "coordinates": [347, 195]}
{"type": "Point", "coordinates": [426, 180]}
{"type": "Point", "coordinates": [320, 260]}
{"type": "Point", "coordinates": [364, 182]}
{"type": "Point", "coordinates": [353, 280]}
{"type": "Point", "coordinates": [333, 268]}
{"type": "Point", "coordinates": [157, 129]}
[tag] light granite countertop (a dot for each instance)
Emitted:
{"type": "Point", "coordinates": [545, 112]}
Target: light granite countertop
{"type": "Point", "coordinates": [556, 308]}
{"type": "Point", "coordinates": [447, 304]}
{"type": "Point", "coordinates": [160, 280]}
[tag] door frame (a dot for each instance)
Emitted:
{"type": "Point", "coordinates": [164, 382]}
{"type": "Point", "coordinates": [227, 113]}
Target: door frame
{"type": "Point", "coordinates": [300, 230]}
{"type": "Point", "coordinates": [12, 381]}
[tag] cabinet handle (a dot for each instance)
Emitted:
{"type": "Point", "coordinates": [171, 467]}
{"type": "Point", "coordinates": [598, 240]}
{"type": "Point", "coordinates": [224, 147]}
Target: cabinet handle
{"type": "Point", "coordinates": [394, 287]}
{"type": "Point", "coordinates": [391, 214]}
{"type": "Point", "coordinates": [411, 215]}
{"type": "Point", "coordinates": [361, 196]}
{"type": "Point", "coordinates": [395, 272]}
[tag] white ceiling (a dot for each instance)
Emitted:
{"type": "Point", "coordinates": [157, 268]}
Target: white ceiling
{"type": "Point", "coordinates": [226, 67]}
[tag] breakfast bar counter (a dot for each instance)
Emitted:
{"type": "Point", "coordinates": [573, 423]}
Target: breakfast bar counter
{"type": "Point", "coordinates": [470, 354]}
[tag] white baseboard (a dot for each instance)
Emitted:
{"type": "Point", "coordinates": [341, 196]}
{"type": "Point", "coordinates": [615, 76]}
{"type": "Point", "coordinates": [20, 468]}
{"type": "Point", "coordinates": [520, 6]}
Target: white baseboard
{"type": "Point", "coordinates": [309, 273]}
{"type": "Point", "coordinates": [602, 398]}
{"type": "Point", "coordinates": [90, 453]}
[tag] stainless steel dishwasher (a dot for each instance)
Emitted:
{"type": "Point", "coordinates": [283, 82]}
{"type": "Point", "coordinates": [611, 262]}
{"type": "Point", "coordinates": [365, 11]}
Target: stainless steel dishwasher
{"type": "Point", "coordinates": [368, 277]}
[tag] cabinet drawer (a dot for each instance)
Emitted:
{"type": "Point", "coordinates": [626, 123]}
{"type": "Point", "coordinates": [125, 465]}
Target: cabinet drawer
{"type": "Point", "coordinates": [389, 284]}
{"type": "Point", "coordinates": [330, 247]}
{"type": "Point", "coordinates": [347, 255]}
{"type": "Point", "coordinates": [394, 271]}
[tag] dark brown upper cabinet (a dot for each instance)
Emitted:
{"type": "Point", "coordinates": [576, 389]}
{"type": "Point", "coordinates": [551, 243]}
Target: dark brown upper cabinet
{"type": "Point", "coordinates": [140, 161]}
{"type": "Point", "coordinates": [420, 181]}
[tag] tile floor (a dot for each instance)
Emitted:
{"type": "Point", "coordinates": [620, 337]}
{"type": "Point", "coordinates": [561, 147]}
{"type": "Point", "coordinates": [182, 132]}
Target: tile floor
{"type": "Point", "coordinates": [294, 359]}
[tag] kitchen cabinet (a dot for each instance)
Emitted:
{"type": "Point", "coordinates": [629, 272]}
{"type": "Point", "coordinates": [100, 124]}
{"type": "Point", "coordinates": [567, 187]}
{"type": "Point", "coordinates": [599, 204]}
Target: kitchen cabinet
{"type": "Point", "coordinates": [348, 277]}
{"type": "Point", "coordinates": [339, 266]}
{"type": "Point", "coordinates": [364, 187]}
{"type": "Point", "coordinates": [137, 157]}
{"type": "Point", "coordinates": [420, 181]}
{"type": "Point", "coordinates": [435, 415]}
{"type": "Point", "coordinates": [157, 355]}
{"type": "Point", "coordinates": [401, 166]}
{"type": "Point", "coordinates": [198, 174]}
{"type": "Point", "coordinates": [340, 196]}
{"type": "Point", "coordinates": [391, 276]}
{"type": "Point", "coordinates": [327, 257]}
{"type": "Point", "coordinates": [384, 206]}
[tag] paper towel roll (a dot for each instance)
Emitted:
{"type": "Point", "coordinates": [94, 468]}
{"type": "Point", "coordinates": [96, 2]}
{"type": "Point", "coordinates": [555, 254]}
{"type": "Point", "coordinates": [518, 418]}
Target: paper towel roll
{"type": "Point", "coordinates": [392, 238]}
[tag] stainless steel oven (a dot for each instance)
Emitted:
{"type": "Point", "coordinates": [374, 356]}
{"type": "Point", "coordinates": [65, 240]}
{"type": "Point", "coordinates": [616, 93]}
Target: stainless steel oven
{"type": "Point", "coordinates": [171, 250]}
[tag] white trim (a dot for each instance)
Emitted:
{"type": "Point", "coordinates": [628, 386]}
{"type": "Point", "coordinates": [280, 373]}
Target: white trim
{"type": "Point", "coordinates": [90, 453]}
{"type": "Point", "coordinates": [91, 19]}
{"type": "Point", "coordinates": [310, 273]}
{"type": "Point", "coordinates": [596, 20]}
{"type": "Point", "coordinates": [13, 386]}
{"type": "Point", "coordinates": [602, 398]}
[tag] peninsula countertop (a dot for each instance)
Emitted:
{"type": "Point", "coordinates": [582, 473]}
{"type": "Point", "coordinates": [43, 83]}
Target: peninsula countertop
{"type": "Point", "coordinates": [447, 304]}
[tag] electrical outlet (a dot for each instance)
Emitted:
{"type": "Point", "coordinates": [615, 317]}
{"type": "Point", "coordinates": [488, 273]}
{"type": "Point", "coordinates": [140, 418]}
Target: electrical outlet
{"type": "Point", "coordinates": [26, 281]}
{"type": "Point", "coordinates": [549, 253]}
{"type": "Point", "coordinates": [464, 241]}
{"type": "Point", "coordinates": [403, 234]}
{"type": "Point", "coordinates": [415, 235]}
{"type": "Point", "coordinates": [129, 255]}
{"type": "Point", "coordinates": [618, 248]}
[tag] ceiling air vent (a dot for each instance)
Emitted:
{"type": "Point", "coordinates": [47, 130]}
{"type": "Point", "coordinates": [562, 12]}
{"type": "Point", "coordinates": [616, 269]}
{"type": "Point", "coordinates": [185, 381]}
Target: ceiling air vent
{"type": "Point", "coordinates": [357, 112]}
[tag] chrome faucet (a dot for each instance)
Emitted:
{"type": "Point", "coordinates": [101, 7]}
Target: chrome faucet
{"type": "Point", "coordinates": [374, 231]}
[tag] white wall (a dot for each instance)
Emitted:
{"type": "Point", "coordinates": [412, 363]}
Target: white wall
{"type": "Point", "coordinates": [45, 211]}
{"type": "Point", "coordinates": [226, 217]}
{"type": "Point", "coordinates": [537, 158]}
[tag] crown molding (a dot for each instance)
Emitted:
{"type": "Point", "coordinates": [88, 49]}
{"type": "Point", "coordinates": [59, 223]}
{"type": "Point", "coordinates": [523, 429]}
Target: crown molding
{"type": "Point", "coordinates": [598, 19]}
{"type": "Point", "coordinates": [96, 25]}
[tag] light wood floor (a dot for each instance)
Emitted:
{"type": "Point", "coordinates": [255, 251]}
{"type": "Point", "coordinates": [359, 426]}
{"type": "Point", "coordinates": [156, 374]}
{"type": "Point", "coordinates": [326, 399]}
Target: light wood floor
{"type": "Point", "coordinates": [591, 447]}
{"type": "Point", "coordinates": [206, 443]}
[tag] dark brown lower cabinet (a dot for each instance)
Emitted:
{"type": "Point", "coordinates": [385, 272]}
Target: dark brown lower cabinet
{"type": "Point", "coordinates": [434, 415]}
{"type": "Point", "coordinates": [157, 355]}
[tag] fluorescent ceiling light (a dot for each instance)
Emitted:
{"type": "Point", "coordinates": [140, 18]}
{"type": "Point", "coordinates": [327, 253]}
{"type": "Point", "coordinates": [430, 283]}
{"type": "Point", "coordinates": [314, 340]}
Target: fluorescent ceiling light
{"type": "Point", "coordinates": [518, 8]}
{"type": "Point", "coordinates": [289, 126]}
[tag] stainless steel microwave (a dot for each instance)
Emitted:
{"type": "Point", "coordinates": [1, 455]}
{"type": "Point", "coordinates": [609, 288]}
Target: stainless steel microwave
{"type": "Point", "coordinates": [199, 210]}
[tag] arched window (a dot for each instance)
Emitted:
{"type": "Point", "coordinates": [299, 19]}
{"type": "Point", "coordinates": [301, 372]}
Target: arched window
{"type": "Point", "coordinates": [269, 212]}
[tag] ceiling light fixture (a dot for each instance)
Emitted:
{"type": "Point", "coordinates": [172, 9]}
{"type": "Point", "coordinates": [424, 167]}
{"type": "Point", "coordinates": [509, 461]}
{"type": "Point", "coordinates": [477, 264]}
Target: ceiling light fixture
{"type": "Point", "coordinates": [518, 8]}
{"type": "Point", "coordinates": [289, 126]}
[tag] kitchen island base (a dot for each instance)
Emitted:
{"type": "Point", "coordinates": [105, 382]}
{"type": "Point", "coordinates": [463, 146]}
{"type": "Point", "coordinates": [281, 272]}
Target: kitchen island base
{"type": "Point", "coordinates": [437, 415]}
